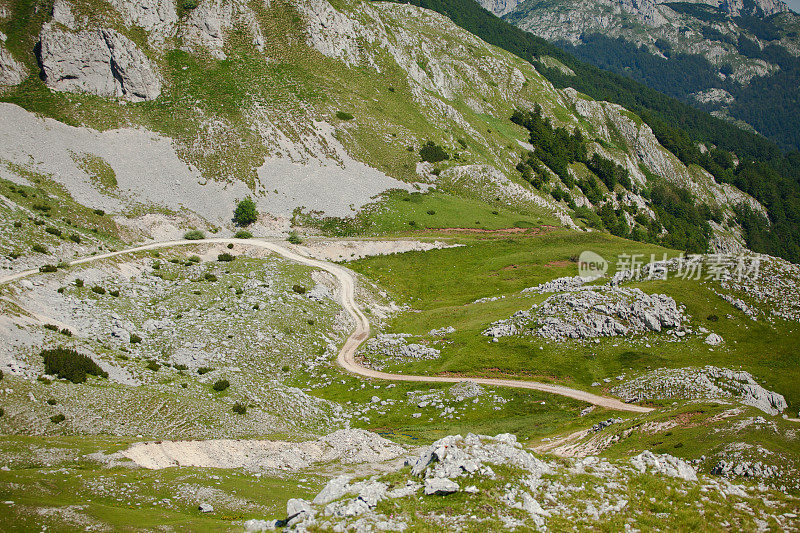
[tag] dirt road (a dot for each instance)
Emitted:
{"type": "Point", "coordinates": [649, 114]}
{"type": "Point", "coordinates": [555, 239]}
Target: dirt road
{"type": "Point", "coordinates": [347, 355]}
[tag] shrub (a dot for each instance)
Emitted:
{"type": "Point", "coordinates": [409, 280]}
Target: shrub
{"type": "Point", "coordinates": [285, 368]}
{"type": "Point", "coordinates": [97, 289]}
{"type": "Point", "coordinates": [343, 115]}
{"type": "Point", "coordinates": [44, 380]}
{"type": "Point", "coordinates": [17, 224]}
{"type": "Point", "coordinates": [188, 5]}
{"type": "Point", "coordinates": [152, 365]}
{"type": "Point", "coordinates": [51, 401]}
{"type": "Point", "coordinates": [75, 238]}
{"type": "Point", "coordinates": [299, 289]}
{"type": "Point", "coordinates": [225, 257]}
{"type": "Point", "coordinates": [39, 248]}
{"type": "Point", "coordinates": [78, 282]}
{"type": "Point", "coordinates": [204, 370]}
{"type": "Point", "coordinates": [230, 246]}
{"type": "Point", "coordinates": [70, 365]}
{"type": "Point", "coordinates": [210, 277]}
{"type": "Point", "coordinates": [243, 234]}
{"type": "Point", "coordinates": [194, 259]}
{"type": "Point", "coordinates": [712, 318]}
{"type": "Point", "coordinates": [294, 238]}
{"type": "Point", "coordinates": [114, 293]}
{"type": "Point", "coordinates": [194, 235]}
{"type": "Point", "coordinates": [239, 408]}
{"type": "Point", "coordinates": [48, 268]}
{"type": "Point", "coordinates": [99, 212]}
{"type": "Point", "coordinates": [51, 327]}
{"type": "Point", "coordinates": [54, 231]}
{"type": "Point", "coordinates": [433, 153]}
{"type": "Point", "coordinates": [57, 419]}
{"type": "Point", "coordinates": [135, 339]}
{"type": "Point", "coordinates": [221, 385]}
{"type": "Point", "coordinates": [245, 212]}
{"type": "Point", "coordinates": [431, 212]}
{"type": "Point", "coordinates": [181, 367]}
{"type": "Point", "coordinates": [66, 332]}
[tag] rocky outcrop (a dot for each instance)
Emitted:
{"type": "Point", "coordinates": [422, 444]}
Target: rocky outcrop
{"type": "Point", "coordinates": [587, 314]}
{"type": "Point", "coordinates": [208, 24]}
{"type": "Point", "coordinates": [710, 382]}
{"type": "Point", "coordinates": [11, 72]}
{"type": "Point", "coordinates": [101, 61]}
{"type": "Point", "coordinates": [499, 7]}
{"type": "Point", "coordinates": [664, 464]}
{"type": "Point", "coordinates": [157, 17]}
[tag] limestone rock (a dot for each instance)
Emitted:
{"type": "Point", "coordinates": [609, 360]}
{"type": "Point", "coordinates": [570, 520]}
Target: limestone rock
{"type": "Point", "coordinates": [102, 62]}
{"type": "Point", "coordinates": [11, 72]}
{"type": "Point", "coordinates": [157, 17]}
{"type": "Point", "coordinates": [664, 464]}
{"type": "Point", "coordinates": [713, 340]}
{"type": "Point", "coordinates": [440, 485]}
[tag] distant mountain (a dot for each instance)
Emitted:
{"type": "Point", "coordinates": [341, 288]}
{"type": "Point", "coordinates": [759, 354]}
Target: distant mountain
{"type": "Point", "coordinates": [739, 60]}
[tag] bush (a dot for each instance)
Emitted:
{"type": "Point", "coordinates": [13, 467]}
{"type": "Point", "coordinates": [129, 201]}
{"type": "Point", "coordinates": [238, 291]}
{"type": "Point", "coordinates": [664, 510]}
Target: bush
{"type": "Point", "coordinates": [243, 234]}
{"type": "Point", "coordinates": [712, 318]}
{"type": "Point", "coordinates": [43, 379]}
{"type": "Point", "coordinates": [342, 115]}
{"type": "Point", "coordinates": [75, 238]}
{"type": "Point", "coordinates": [114, 293]}
{"type": "Point", "coordinates": [135, 339]}
{"type": "Point", "coordinates": [194, 259]}
{"type": "Point", "coordinates": [225, 257]}
{"type": "Point", "coordinates": [294, 238]}
{"type": "Point", "coordinates": [70, 365]}
{"type": "Point", "coordinates": [54, 231]}
{"type": "Point", "coordinates": [299, 289]}
{"type": "Point", "coordinates": [51, 327]}
{"type": "Point", "coordinates": [78, 282]}
{"type": "Point", "coordinates": [99, 212]}
{"type": "Point", "coordinates": [152, 365]}
{"type": "Point", "coordinates": [97, 289]}
{"type": "Point", "coordinates": [239, 408]}
{"type": "Point", "coordinates": [210, 277]}
{"type": "Point", "coordinates": [221, 385]}
{"type": "Point", "coordinates": [48, 268]}
{"type": "Point", "coordinates": [57, 419]}
{"type": "Point", "coordinates": [204, 370]}
{"type": "Point", "coordinates": [39, 248]}
{"type": "Point", "coordinates": [433, 153]}
{"type": "Point", "coordinates": [51, 401]}
{"type": "Point", "coordinates": [188, 5]}
{"type": "Point", "coordinates": [245, 212]}
{"type": "Point", "coordinates": [66, 332]}
{"type": "Point", "coordinates": [194, 235]}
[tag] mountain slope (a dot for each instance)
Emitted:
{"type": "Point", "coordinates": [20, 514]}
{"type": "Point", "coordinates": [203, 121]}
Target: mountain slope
{"type": "Point", "coordinates": [721, 58]}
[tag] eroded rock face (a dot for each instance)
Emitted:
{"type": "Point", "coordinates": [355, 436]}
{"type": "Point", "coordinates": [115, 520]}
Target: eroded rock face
{"type": "Point", "coordinates": [102, 62]}
{"type": "Point", "coordinates": [157, 17]}
{"type": "Point", "coordinates": [11, 72]}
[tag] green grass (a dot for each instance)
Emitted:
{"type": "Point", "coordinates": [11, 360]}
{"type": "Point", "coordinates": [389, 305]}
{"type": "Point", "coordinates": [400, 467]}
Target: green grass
{"type": "Point", "coordinates": [441, 286]}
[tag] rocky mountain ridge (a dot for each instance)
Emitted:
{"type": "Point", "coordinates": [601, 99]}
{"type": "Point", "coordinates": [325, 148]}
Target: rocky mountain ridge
{"type": "Point", "coordinates": [717, 48]}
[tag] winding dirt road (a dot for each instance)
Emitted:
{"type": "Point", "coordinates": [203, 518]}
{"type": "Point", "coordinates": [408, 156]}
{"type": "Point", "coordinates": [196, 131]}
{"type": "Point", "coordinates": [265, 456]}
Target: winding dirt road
{"type": "Point", "coordinates": [347, 355]}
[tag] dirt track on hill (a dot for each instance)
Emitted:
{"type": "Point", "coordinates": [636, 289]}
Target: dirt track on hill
{"type": "Point", "coordinates": [347, 354]}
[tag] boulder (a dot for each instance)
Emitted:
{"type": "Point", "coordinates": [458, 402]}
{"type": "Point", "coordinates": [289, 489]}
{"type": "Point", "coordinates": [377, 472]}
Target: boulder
{"type": "Point", "coordinates": [664, 464]}
{"type": "Point", "coordinates": [439, 485]}
{"type": "Point", "coordinates": [205, 508]}
{"type": "Point", "coordinates": [713, 340]}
